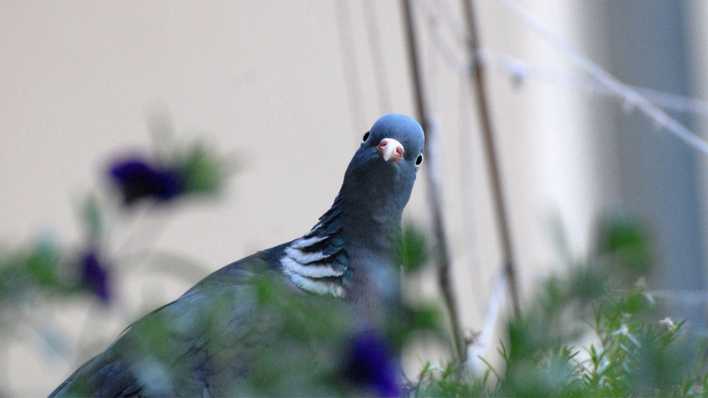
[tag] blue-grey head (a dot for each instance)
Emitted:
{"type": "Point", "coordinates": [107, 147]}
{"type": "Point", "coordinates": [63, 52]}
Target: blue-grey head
{"type": "Point", "coordinates": [380, 177]}
{"type": "Point", "coordinates": [351, 248]}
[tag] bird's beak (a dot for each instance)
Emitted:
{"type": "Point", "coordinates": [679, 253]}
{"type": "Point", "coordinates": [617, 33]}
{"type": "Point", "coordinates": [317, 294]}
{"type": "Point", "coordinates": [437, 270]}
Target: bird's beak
{"type": "Point", "coordinates": [390, 150]}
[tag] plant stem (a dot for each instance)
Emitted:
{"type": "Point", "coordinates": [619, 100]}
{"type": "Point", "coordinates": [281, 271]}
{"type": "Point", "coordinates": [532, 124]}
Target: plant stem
{"type": "Point", "coordinates": [479, 89]}
{"type": "Point", "coordinates": [433, 183]}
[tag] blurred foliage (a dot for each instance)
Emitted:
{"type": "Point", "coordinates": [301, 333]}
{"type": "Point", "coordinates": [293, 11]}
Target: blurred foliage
{"type": "Point", "coordinates": [189, 171]}
{"type": "Point", "coordinates": [91, 216]}
{"type": "Point", "coordinates": [592, 331]}
{"type": "Point", "coordinates": [412, 252]}
{"type": "Point", "coordinates": [46, 268]}
{"type": "Point", "coordinates": [203, 172]}
{"type": "Point", "coordinates": [37, 268]}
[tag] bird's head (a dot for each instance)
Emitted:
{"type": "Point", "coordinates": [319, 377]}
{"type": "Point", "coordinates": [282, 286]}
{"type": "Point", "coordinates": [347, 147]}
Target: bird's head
{"type": "Point", "coordinates": [380, 176]}
{"type": "Point", "coordinates": [396, 139]}
{"type": "Point", "coordinates": [355, 239]}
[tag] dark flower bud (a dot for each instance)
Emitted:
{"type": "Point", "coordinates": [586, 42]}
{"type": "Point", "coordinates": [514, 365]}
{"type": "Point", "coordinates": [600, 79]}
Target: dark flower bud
{"type": "Point", "coordinates": [94, 275]}
{"type": "Point", "coordinates": [370, 364]}
{"type": "Point", "coordinates": [138, 179]}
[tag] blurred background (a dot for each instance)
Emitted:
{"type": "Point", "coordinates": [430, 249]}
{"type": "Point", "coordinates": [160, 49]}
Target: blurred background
{"type": "Point", "coordinates": [289, 87]}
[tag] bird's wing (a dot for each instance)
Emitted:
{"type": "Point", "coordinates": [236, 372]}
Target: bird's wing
{"type": "Point", "coordinates": [184, 348]}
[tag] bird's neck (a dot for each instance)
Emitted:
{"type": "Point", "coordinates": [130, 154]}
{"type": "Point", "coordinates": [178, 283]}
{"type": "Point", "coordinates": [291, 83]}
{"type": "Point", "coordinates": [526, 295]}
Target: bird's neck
{"type": "Point", "coordinates": [349, 252]}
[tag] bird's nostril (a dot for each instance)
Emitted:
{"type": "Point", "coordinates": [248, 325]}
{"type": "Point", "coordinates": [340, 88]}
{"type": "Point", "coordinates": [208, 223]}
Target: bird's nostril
{"type": "Point", "coordinates": [399, 151]}
{"type": "Point", "coordinates": [383, 143]}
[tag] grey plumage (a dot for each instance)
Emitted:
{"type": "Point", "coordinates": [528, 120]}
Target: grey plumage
{"type": "Point", "coordinates": [212, 334]}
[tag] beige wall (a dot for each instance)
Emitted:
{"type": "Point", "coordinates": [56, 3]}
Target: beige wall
{"type": "Point", "coordinates": [265, 79]}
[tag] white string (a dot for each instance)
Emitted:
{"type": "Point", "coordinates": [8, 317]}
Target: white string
{"type": "Point", "coordinates": [632, 99]}
{"type": "Point", "coordinates": [520, 70]}
{"type": "Point", "coordinates": [645, 100]}
{"type": "Point", "coordinates": [684, 296]}
{"type": "Point", "coordinates": [477, 348]}
{"type": "Point", "coordinates": [674, 102]}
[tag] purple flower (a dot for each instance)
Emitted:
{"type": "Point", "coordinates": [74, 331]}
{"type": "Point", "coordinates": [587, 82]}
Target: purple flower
{"type": "Point", "coordinates": [94, 275]}
{"type": "Point", "coordinates": [138, 179]}
{"type": "Point", "coordinates": [370, 364]}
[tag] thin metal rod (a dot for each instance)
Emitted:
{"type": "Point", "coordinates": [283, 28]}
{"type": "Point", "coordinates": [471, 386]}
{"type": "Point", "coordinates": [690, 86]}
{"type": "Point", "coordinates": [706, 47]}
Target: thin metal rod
{"type": "Point", "coordinates": [479, 89]}
{"type": "Point", "coordinates": [433, 183]}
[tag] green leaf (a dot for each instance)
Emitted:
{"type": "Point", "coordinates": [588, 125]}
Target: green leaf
{"type": "Point", "coordinates": [42, 263]}
{"type": "Point", "coordinates": [92, 218]}
{"type": "Point", "coordinates": [625, 240]}
{"type": "Point", "coordinates": [412, 250]}
{"type": "Point", "coordinates": [203, 172]}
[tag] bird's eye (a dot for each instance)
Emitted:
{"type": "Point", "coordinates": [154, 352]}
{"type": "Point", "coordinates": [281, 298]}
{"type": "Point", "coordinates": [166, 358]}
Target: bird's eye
{"type": "Point", "coordinates": [419, 160]}
{"type": "Point", "coordinates": [365, 137]}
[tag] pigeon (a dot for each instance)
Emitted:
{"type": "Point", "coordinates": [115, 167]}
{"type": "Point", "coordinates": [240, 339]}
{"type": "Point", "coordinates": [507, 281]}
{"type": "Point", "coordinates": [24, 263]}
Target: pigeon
{"type": "Point", "coordinates": [348, 256]}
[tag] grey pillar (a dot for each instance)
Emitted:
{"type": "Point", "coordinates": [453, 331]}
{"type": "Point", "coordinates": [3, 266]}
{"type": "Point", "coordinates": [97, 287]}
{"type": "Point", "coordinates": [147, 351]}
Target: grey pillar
{"type": "Point", "coordinates": [647, 45]}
